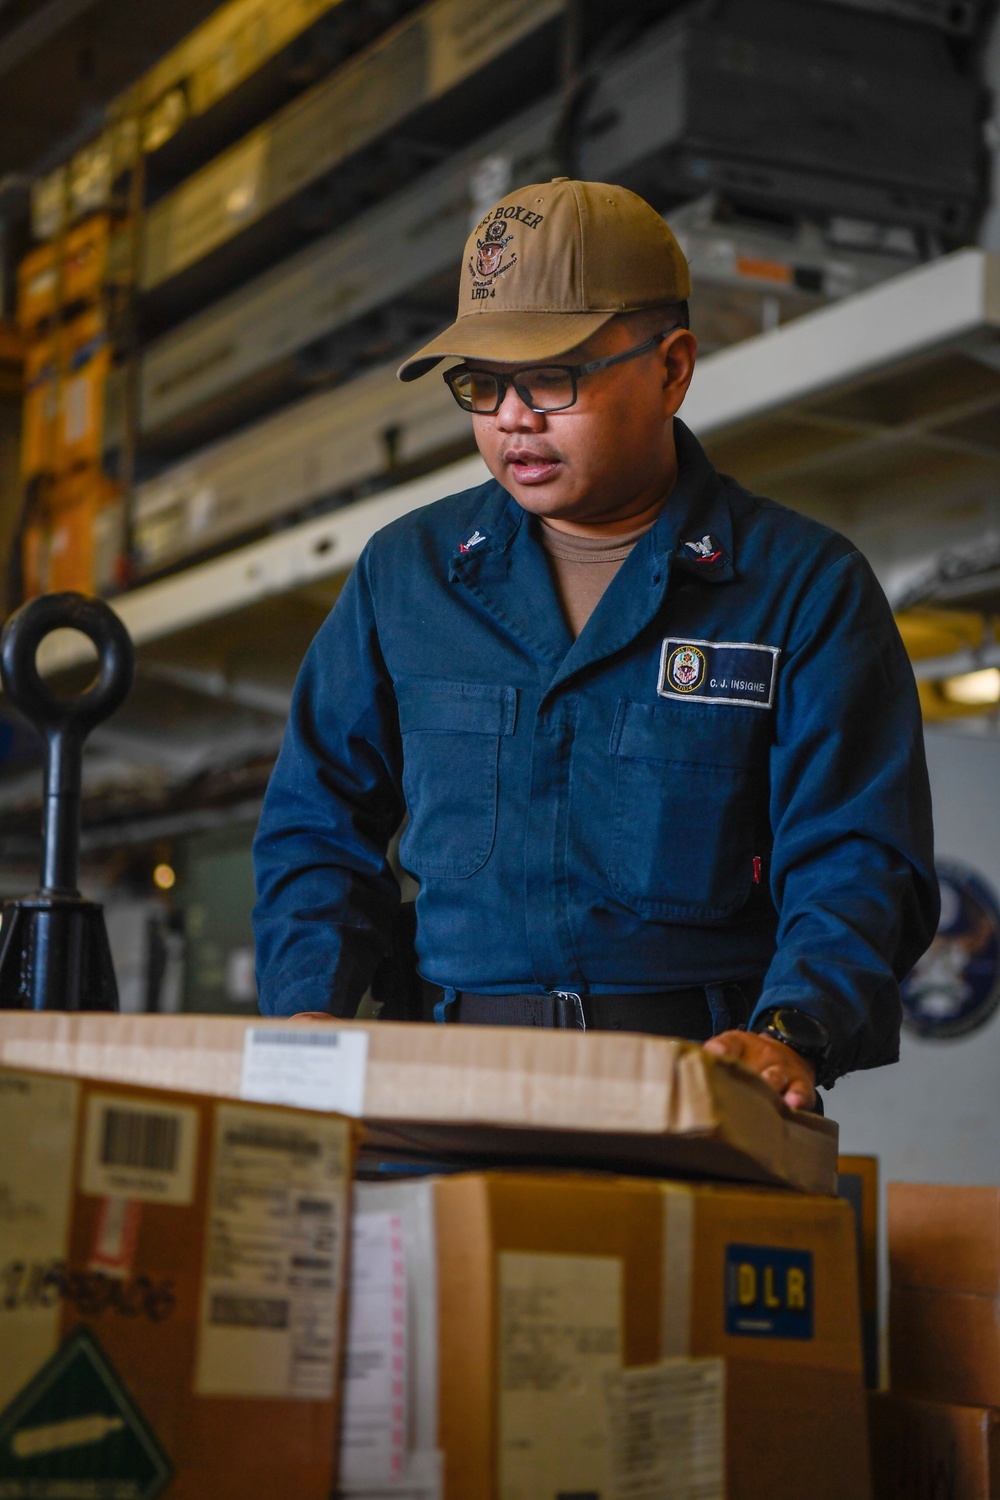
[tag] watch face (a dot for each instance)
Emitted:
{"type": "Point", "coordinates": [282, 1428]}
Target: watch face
{"type": "Point", "coordinates": [802, 1030]}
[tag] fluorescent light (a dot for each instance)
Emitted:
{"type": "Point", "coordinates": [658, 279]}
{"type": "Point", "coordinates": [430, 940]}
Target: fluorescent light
{"type": "Point", "coordinates": [973, 688]}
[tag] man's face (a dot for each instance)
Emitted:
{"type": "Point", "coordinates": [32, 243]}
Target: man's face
{"type": "Point", "coordinates": [612, 453]}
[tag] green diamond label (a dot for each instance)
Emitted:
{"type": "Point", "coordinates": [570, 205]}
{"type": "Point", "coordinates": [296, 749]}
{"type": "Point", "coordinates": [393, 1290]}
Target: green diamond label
{"type": "Point", "coordinates": [74, 1433]}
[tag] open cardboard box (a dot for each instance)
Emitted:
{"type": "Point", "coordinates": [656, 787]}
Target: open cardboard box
{"type": "Point", "coordinates": [474, 1095]}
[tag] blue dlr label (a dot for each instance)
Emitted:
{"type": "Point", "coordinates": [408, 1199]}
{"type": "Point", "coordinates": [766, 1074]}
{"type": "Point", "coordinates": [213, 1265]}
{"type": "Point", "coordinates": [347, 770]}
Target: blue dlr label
{"type": "Point", "coordinates": [769, 1292]}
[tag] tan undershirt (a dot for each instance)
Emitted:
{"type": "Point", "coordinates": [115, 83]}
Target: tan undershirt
{"type": "Point", "coordinates": [583, 566]}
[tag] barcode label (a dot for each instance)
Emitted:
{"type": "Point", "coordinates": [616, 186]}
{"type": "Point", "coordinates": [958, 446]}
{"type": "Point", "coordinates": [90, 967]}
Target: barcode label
{"type": "Point", "coordinates": [134, 1149]}
{"type": "Point", "coordinates": [297, 1038]}
{"type": "Point", "coordinates": [139, 1140]}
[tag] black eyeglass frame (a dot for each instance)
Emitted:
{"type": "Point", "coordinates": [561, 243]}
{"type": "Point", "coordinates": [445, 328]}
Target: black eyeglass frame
{"type": "Point", "coordinates": [505, 381]}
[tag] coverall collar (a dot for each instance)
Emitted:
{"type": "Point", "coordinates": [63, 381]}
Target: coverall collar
{"type": "Point", "coordinates": [503, 564]}
{"type": "Point", "coordinates": [697, 518]}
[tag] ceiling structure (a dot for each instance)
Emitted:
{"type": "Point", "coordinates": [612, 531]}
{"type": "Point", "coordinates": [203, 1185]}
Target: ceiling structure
{"type": "Point", "coordinates": [87, 52]}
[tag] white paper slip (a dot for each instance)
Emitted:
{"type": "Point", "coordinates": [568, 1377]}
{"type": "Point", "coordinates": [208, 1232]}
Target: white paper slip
{"type": "Point", "coordinates": [310, 1068]}
{"type": "Point", "coordinates": [423, 1480]}
{"type": "Point", "coordinates": [373, 1430]}
{"type": "Point", "coordinates": [668, 1435]}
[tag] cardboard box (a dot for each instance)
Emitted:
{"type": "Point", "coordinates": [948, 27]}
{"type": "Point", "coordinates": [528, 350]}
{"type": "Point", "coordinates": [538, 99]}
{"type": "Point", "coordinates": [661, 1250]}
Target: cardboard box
{"type": "Point", "coordinates": [38, 287]}
{"type": "Point", "coordinates": [34, 552]}
{"type": "Point", "coordinates": [85, 366]}
{"type": "Point", "coordinates": [945, 1346]}
{"type": "Point", "coordinates": [79, 262]}
{"type": "Point", "coordinates": [857, 1181]}
{"type": "Point", "coordinates": [74, 535]}
{"type": "Point", "coordinates": [493, 1094]}
{"type": "Point", "coordinates": [172, 1273]}
{"type": "Point", "coordinates": [944, 1238]}
{"type": "Point", "coordinates": [85, 260]}
{"type": "Point", "coordinates": [944, 1306]}
{"type": "Point", "coordinates": [593, 1332]}
{"type": "Point", "coordinates": [86, 533]}
{"type": "Point", "coordinates": [924, 1450]}
{"type": "Point", "coordinates": [41, 408]}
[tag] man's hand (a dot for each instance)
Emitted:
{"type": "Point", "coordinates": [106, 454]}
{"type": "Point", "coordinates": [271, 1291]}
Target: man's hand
{"type": "Point", "coordinates": [311, 1015]}
{"type": "Point", "coordinates": [789, 1075]}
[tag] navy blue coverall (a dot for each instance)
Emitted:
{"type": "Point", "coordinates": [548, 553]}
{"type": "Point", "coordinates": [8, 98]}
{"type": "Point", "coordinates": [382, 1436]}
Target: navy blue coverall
{"type": "Point", "coordinates": [723, 777]}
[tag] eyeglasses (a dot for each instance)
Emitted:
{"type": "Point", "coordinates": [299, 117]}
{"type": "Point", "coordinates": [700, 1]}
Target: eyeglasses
{"type": "Point", "coordinates": [543, 389]}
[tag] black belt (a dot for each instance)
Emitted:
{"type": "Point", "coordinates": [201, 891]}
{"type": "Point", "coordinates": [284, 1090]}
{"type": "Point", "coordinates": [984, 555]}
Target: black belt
{"type": "Point", "coordinates": [695, 1013]}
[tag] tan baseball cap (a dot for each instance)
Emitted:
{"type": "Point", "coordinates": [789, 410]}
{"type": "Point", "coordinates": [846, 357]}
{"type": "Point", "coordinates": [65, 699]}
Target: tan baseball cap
{"type": "Point", "coordinates": [548, 266]}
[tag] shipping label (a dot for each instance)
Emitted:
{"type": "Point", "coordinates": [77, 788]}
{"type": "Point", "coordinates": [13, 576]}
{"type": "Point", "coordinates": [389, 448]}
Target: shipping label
{"type": "Point", "coordinates": [310, 1067]}
{"type": "Point", "coordinates": [274, 1262]}
{"type": "Point", "coordinates": [559, 1335]}
{"type": "Point", "coordinates": [37, 1148]}
{"type": "Point", "coordinates": [668, 1434]}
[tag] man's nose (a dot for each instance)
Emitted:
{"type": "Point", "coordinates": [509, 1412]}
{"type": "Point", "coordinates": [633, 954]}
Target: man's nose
{"type": "Point", "coordinates": [514, 416]}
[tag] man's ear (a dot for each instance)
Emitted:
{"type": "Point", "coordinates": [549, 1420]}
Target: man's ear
{"type": "Point", "coordinates": [678, 353]}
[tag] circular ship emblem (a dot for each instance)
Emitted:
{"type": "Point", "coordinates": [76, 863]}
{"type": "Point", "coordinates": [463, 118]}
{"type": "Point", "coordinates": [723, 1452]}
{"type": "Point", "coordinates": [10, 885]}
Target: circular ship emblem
{"type": "Point", "coordinates": [954, 988]}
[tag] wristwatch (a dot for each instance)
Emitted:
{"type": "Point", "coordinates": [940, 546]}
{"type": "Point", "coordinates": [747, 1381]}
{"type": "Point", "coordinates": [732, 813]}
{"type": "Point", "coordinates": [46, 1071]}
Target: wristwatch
{"type": "Point", "coordinates": [800, 1031]}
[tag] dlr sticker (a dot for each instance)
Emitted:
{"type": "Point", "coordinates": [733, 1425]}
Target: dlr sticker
{"type": "Point", "coordinates": [769, 1292]}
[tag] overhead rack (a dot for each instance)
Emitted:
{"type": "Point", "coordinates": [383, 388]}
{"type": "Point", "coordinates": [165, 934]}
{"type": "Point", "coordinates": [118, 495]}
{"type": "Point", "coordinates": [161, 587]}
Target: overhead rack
{"type": "Point", "coordinates": [872, 413]}
{"type": "Point", "coordinates": [864, 414]}
{"type": "Point", "coordinates": [246, 189]}
{"type": "Point", "coordinates": [246, 60]}
{"type": "Point", "coordinates": [366, 435]}
{"type": "Point", "coordinates": [365, 285]}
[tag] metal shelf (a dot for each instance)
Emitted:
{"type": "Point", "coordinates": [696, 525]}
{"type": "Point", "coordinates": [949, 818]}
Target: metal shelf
{"type": "Point", "coordinates": [879, 416]}
{"type": "Point", "coordinates": [292, 559]}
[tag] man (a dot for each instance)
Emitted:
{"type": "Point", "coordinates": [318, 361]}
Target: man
{"type": "Point", "coordinates": [658, 739]}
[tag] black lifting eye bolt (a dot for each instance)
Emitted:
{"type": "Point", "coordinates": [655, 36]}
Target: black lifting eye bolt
{"type": "Point", "coordinates": [54, 952]}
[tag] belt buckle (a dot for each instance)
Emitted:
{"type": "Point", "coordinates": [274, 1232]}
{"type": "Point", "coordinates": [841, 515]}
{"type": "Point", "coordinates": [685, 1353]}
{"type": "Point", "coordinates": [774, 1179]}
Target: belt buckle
{"type": "Point", "coordinates": [569, 1014]}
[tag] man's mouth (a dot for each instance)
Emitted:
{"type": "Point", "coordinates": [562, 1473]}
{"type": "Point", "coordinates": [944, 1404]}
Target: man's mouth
{"type": "Point", "coordinates": [530, 465]}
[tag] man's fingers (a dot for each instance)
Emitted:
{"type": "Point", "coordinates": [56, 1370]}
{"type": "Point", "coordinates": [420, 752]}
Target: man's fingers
{"type": "Point", "coordinates": [781, 1068]}
{"type": "Point", "coordinates": [727, 1044]}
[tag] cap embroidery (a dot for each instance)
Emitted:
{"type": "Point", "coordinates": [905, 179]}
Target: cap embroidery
{"type": "Point", "coordinates": [488, 263]}
{"type": "Point", "coordinates": [490, 251]}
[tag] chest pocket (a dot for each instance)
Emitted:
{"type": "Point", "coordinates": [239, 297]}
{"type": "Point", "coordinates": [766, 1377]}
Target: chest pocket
{"type": "Point", "coordinates": [690, 807]}
{"type": "Point", "coordinates": [451, 751]}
